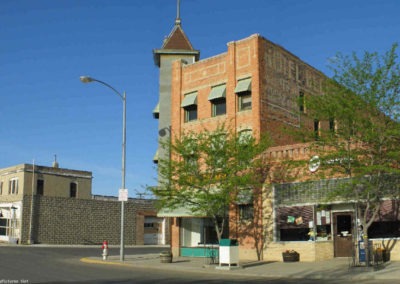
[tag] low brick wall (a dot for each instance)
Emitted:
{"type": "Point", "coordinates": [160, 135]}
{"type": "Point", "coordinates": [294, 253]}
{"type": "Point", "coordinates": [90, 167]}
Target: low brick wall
{"type": "Point", "coordinates": [83, 221]}
{"type": "Point", "coordinates": [309, 251]}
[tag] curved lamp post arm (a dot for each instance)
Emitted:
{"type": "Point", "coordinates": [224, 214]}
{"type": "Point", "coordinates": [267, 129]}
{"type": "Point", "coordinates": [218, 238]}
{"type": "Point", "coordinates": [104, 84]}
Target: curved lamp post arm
{"type": "Point", "coordinates": [87, 79]}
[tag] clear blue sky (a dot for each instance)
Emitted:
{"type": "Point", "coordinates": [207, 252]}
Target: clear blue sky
{"type": "Point", "coordinates": [45, 45]}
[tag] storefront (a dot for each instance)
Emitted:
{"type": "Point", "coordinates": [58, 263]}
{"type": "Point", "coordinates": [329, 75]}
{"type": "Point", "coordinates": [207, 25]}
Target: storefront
{"type": "Point", "coordinates": [195, 235]}
{"type": "Point", "coordinates": [306, 218]}
{"type": "Point", "coordinates": [10, 222]}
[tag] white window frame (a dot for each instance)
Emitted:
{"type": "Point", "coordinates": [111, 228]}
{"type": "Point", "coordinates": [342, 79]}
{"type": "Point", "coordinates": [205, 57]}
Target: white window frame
{"type": "Point", "coordinates": [13, 186]}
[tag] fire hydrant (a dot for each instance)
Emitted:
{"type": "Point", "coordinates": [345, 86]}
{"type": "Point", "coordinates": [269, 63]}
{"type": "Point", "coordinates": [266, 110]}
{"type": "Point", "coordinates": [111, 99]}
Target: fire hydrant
{"type": "Point", "coordinates": [105, 250]}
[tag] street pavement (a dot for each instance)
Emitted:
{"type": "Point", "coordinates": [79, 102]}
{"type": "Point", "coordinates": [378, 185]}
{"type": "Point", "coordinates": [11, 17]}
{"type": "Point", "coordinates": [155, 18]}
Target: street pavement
{"type": "Point", "coordinates": [335, 269]}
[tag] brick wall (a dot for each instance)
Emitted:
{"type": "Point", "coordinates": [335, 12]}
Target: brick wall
{"type": "Point", "coordinates": [59, 220]}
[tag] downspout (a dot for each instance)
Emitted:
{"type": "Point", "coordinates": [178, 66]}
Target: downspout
{"type": "Point", "coordinates": [30, 240]}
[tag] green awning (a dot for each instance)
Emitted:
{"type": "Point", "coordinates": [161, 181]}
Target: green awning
{"type": "Point", "coordinates": [243, 85]}
{"type": "Point", "coordinates": [189, 100]}
{"type": "Point", "coordinates": [217, 92]}
{"type": "Point", "coordinates": [244, 197]}
{"type": "Point", "coordinates": [156, 111]}
{"type": "Point", "coordinates": [178, 212]}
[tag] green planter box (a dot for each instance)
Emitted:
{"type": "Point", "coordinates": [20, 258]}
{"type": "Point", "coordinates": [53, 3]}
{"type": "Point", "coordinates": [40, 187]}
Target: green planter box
{"type": "Point", "coordinates": [228, 242]}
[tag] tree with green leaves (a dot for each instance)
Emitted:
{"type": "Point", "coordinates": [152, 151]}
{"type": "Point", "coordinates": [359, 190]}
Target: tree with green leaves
{"type": "Point", "coordinates": [361, 104]}
{"type": "Point", "coordinates": [209, 170]}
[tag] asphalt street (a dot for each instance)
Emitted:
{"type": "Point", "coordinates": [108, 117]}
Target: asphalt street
{"type": "Point", "coordinates": [37, 264]}
{"type": "Point", "coordinates": [24, 264]}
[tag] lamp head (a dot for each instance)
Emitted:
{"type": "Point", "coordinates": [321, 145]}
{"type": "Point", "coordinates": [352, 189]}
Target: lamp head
{"type": "Point", "coordinates": [86, 79]}
{"type": "Point", "coordinates": [163, 131]}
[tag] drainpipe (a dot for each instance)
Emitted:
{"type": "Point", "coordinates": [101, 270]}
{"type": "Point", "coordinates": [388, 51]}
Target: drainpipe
{"type": "Point", "coordinates": [30, 240]}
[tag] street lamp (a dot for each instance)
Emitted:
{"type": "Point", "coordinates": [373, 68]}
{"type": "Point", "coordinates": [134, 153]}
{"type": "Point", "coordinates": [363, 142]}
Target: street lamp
{"type": "Point", "coordinates": [86, 79]}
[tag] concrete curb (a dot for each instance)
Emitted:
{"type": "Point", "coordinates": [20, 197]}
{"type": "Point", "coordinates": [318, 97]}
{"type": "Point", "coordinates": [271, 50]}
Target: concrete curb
{"type": "Point", "coordinates": [258, 270]}
{"type": "Point", "coordinates": [174, 266]}
{"type": "Point", "coordinates": [104, 262]}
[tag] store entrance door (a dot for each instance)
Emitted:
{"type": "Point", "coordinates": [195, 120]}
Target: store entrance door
{"type": "Point", "coordinates": [342, 232]}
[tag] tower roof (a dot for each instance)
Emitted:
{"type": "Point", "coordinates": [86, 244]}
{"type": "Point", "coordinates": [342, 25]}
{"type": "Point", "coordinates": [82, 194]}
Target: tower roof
{"type": "Point", "coordinates": [177, 39]}
{"type": "Point", "coordinates": [176, 43]}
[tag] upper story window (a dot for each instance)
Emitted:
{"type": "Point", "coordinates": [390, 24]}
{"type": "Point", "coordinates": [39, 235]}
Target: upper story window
{"type": "Point", "coordinates": [13, 186]}
{"type": "Point", "coordinates": [190, 155]}
{"type": "Point", "coordinates": [332, 125]}
{"type": "Point", "coordinates": [243, 91]}
{"type": "Point", "coordinates": [245, 138]}
{"type": "Point", "coordinates": [73, 188]}
{"type": "Point", "coordinates": [302, 105]}
{"type": "Point", "coordinates": [219, 107]}
{"type": "Point", "coordinates": [191, 113]}
{"type": "Point", "coordinates": [316, 129]}
{"type": "Point", "coordinates": [40, 187]}
{"type": "Point", "coordinates": [245, 205]}
{"type": "Point", "coordinates": [218, 146]}
{"type": "Point", "coordinates": [1, 187]}
{"type": "Point", "coordinates": [217, 98]}
{"type": "Point", "coordinates": [246, 212]}
{"type": "Point", "coordinates": [189, 104]}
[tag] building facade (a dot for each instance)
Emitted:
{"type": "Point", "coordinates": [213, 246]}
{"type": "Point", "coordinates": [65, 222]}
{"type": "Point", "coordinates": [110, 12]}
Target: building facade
{"type": "Point", "coordinates": [52, 205]}
{"type": "Point", "coordinates": [259, 87]}
{"type": "Point", "coordinates": [18, 182]}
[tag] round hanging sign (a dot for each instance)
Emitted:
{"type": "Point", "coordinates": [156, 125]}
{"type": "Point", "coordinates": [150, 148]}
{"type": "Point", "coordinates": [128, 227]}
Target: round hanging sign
{"type": "Point", "coordinates": [314, 164]}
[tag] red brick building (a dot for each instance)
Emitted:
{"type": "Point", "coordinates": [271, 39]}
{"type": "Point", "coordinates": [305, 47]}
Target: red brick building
{"type": "Point", "coordinates": [256, 87]}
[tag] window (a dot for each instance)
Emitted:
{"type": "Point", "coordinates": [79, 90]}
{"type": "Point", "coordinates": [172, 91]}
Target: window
{"type": "Point", "coordinates": [72, 189]}
{"type": "Point", "coordinates": [316, 129]}
{"type": "Point", "coordinates": [189, 104]}
{"type": "Point", "coordinates": [293, 223]}
{"type": "Point", "coordinates": [246, 212]}
{"type": "Point", "coordinates": [190, 113]}
{"type": "Point", "coordinates": [245, 140]}
{"type": "Point", "coordinates": [243, 91]}
{"type": "Point", "coordinates": [40, 187]}
{"type": "Point", "coordinates": [13, 186]}
{"type": "Point", "coordinates": [217, 151]}
{"type": "Point", "coordinates": [244, 101]}
{"type": "Point", "coordinates": [149, 225]}
{"type": "Point", "coordinates": [218, 107]}
{"type": "Point", "coordinates": [244, 201]}
{"type": "Point", "coordinates": [4, 224]}
{"type": "Point", "coordinates": [217, 98]}
{"type": "Point", "coordinates": [199, 231]}
{"type": "Point", "coordinates": [301, 102]}
{"type": "Point", "coordinates": [1, 187]}
{"type": "Point", "coordinates": [191, 162]}
{"type": "Point", "coordinates": [387, 229]}
{"type": "Point", "coordinates": [288, 235]}
{"type": "Point", "coordinates": [332, 125]}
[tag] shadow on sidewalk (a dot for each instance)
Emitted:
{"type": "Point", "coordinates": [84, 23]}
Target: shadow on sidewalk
{"type": "Point", "coordinates": [255, 263]}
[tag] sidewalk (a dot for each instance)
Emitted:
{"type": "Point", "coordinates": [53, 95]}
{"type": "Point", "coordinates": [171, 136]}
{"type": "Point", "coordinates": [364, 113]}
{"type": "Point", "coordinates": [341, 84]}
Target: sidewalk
{"type": "Point", "coordinates": [338, 268]}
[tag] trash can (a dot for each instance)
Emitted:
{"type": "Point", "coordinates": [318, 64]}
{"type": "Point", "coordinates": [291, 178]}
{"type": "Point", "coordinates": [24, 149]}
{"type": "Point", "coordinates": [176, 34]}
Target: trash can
{"type": "Point", "coordinates": [228, 252]}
